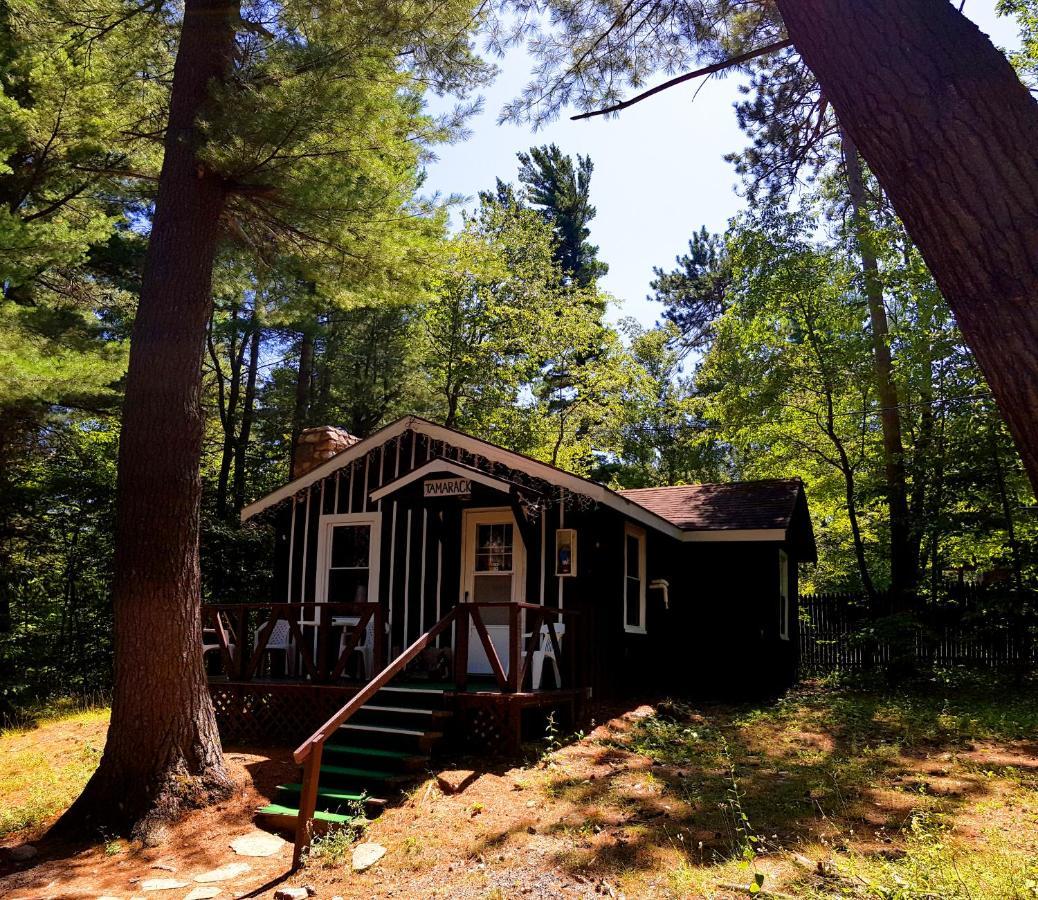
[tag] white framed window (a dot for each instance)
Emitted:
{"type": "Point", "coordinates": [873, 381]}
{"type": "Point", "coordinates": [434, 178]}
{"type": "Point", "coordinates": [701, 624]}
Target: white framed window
{"type": "Point", "coordinates": [783, 595]}
{"type": "Point", "coordinates": [348, 557]}
{"type": "Point", "coordinates": [634, 579]}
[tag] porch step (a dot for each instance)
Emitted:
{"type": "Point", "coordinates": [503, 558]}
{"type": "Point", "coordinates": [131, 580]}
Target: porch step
{"type": "Point", "coordinates": [389, 737]}
{"type": "Point", "coordinates": [332, 797]}
{"type": "Point", "coordinates": [284, 818]}
{"type": "Point", "coordinates": [406, 717]}
{"type": "Point", "coordinates": [402, 759]}
{"type": "Point", "coordinates": [411, 696]}
{"type": "Point", "coordinates": [351, 776]}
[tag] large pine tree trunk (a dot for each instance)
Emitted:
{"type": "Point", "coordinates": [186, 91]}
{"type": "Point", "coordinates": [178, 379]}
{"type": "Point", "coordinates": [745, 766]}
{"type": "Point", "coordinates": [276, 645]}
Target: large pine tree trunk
{"type": "Point", "coordinates": [163, 750]}
{"type": "Point", "coordinates": [903, 562]}
{"type": "Point", "coordinates": [950, 132]}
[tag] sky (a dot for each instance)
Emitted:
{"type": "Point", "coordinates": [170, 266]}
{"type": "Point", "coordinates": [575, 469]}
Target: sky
{"type": "Point", "coordinates": [659, 167]}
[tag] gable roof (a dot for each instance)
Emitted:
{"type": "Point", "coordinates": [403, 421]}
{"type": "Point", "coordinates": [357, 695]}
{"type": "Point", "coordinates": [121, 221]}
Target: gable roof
{"type": "Point", "coordinates": [755, 510]}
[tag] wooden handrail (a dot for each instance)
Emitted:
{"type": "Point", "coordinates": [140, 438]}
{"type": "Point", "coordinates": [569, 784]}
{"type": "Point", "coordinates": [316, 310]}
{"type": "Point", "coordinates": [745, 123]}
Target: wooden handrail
{"type": "Point", "coordinates": [372, 687]}
{"type": "Point", "coordinates": [309, 752]}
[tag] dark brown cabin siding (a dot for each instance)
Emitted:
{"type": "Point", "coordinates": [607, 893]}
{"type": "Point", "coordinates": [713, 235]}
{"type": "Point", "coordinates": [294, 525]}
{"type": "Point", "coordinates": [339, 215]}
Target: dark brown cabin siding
{"type": "Point", "coordinates": [720, 635]}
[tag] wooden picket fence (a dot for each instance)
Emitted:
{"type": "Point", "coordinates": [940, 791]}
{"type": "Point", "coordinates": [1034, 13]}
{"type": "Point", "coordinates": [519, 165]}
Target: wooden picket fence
{"type": "Point", "coordinates": [841, 633]}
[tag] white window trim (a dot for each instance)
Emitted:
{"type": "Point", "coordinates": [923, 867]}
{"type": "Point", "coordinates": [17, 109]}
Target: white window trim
{"type": "Point", "coordinates": [324, 542]}
{"type": "Point", "coordinates": [783, 595]}
{"type": "Point", "coordinates": [639, 533]}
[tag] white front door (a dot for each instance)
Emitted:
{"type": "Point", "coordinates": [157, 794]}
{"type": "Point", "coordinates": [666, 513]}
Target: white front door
{"type": "Point", "coordinates": [493, 570]}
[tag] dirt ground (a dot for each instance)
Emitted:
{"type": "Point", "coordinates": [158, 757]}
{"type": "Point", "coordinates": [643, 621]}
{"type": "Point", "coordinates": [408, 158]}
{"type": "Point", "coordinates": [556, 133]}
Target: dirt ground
{"type": "Point", "coordinates": [702, 802]}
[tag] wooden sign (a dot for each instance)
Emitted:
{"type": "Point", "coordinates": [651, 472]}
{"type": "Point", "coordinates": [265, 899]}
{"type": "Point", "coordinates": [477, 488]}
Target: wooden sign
{"type": "Point", "coordinates": [447, 487]}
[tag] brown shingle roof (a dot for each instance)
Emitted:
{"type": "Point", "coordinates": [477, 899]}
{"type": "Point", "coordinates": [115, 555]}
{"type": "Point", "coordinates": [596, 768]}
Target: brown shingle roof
{"type": "Point", "coordinates": [736, 505]}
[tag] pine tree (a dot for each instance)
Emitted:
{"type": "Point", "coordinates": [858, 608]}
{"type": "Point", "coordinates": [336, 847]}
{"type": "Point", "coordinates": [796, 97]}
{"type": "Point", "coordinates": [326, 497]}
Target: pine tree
{"type": "Point", "coordinates": [295, 131]}
{"type": "Point", "coordinates": [562, 193]}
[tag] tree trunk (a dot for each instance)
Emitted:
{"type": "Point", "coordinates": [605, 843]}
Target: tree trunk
{"type": "Point", "coordinates": [903, 562]}
{"type": "Point", "coordinates": [950, 132]}
{"type": "Point", "coordinates": [229, 411]}
{"type": "Point", "coordinates": [248, 405]}
{"type": "Point", "coordinates": [163, 750]}
{"type": "Point", "coordinates": [301, 413]}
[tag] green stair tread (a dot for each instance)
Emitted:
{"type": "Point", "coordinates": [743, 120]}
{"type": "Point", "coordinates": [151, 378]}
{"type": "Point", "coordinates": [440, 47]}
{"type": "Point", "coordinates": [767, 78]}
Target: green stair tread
{"type": "Point", "coordinates": [276, 809]}
{"type": "Point", "coordinates": [351, 772]}
{"type": "Point", "coordinates": [333, 794]}
{"type": "Point", "coordinates": [369, 751]}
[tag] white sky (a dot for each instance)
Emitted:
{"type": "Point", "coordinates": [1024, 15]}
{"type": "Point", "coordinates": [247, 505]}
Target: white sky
{"type": "Point", "coordinates": [659, 168]}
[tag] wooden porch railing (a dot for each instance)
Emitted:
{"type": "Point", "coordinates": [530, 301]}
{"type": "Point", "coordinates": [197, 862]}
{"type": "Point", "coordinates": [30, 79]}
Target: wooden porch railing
{"type": "Point", "coordinates": [309, 753]}
{"type": "Point", "coordinates": [243, 632]}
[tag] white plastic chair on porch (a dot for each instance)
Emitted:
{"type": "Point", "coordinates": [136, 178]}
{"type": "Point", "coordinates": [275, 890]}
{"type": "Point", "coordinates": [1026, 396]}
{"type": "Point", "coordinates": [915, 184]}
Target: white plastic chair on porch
{"type": "Point", "coordinates": [280, 641]}
{"type": "Point", "coordinates": [366, 647]}
{"type": "Point", "coordinates": [546, 653]}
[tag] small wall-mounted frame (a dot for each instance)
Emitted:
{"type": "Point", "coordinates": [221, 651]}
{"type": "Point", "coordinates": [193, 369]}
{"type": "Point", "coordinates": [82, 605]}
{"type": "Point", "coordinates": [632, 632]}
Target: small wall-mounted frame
{"type": "Point", "coordinates": [565, 552]}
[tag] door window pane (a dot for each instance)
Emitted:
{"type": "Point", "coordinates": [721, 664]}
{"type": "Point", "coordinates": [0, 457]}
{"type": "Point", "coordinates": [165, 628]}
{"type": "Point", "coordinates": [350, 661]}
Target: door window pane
{"type": "Point", "coordinates": [494, 548]}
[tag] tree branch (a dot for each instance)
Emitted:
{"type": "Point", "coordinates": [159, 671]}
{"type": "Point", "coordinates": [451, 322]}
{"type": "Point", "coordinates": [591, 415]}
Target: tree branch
{"type": "Point", "coordinates": [688, 76]}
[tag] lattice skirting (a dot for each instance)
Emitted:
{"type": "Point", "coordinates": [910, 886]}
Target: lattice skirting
{"type": "Point", "coordinates": [250, 715]}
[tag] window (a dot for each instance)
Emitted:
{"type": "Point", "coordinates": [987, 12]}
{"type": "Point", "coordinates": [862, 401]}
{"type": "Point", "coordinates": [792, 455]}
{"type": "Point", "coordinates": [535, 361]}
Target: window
{"type": "Point", "coordinates": [348, 555]}
{"type": "Point", "coordinates": [492, 576]}
{"type": "Point", "coordinates": [634, 579]}
{"type": "Point", "coordinates": [783, 595]}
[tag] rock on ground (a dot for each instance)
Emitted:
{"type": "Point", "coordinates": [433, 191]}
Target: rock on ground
{"type": "Point", "coordinates": [161, 884]}
{"type": "Point", "coordinates": [366, 855]}
{"type": "Point", "coordinates": [224, 873]}
{"type": "Point", "coordinates": [453, 781]}
{"type": "Point", "coordinates": [292, 893]}
{"type": "Point", "coordinates": [23, 852]}
{"type": "Point", "coordinates": [257, 843]}
{"type": "Point", "coordinates": [203, 893]}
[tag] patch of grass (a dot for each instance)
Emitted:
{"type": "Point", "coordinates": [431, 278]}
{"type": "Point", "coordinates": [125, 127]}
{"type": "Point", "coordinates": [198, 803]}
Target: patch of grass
{"type": "Point", "coordinates": [935, 864]}
{"type": "Point", "coordinates": [909, 795]}
{"type": "Point", "coordinates": [44, 768]}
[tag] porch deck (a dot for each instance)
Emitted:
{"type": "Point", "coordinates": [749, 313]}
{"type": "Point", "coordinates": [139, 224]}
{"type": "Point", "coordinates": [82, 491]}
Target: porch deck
{"type": "Point", "coordinates": [279, 688]}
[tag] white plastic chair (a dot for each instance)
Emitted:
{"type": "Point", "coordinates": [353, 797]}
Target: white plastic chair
{"type": "Point", "coordinates": [280, 640]}
{"type": "Point", "coordinates": [546, 653]}
{"type": "Point", "coordinates": [366, 647]}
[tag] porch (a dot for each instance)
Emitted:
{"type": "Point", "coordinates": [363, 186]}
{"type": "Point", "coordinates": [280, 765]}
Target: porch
{"type": "Point", "coordinates": [277, 671]}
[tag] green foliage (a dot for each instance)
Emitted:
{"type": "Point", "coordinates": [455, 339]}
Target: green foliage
{"type": "Point", "coordinates": [562, 192]}
{"type": "Point", "coordinates": [1025, 59]}
{"type": "Point", "coordinates": [76, 106]}
{"type": "Point", "coordinates": [693, 294]}
{"type": "Point", "coordinates": [788, 383]}
{"type": "Point", "coordinates": [57, 498]}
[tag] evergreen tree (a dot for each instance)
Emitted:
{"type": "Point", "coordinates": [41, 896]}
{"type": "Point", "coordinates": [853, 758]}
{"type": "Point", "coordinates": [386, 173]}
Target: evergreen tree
{"type": "Point", "coordinates": [562, 193]}
{"type": "Point", "coordinates": [296, 131]}
{"type": "Point", "coordinates": [693, 294]}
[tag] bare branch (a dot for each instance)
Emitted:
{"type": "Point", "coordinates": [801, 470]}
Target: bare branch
{"type": "Point", "coordinates": [688, 76]}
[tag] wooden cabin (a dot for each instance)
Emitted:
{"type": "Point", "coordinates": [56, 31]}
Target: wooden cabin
{"type": "Point", "coordinates": [431, 586]}
{"type": "Point", "coordinates": [570, 590]}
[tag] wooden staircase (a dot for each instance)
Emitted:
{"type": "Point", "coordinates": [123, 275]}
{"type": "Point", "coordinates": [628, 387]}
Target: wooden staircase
{"type": "Point", "coordinates": [366, 760]}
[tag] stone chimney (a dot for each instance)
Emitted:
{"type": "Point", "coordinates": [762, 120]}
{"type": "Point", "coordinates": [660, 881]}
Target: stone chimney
{"type": "Point", "coordinates": [318, 445]}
